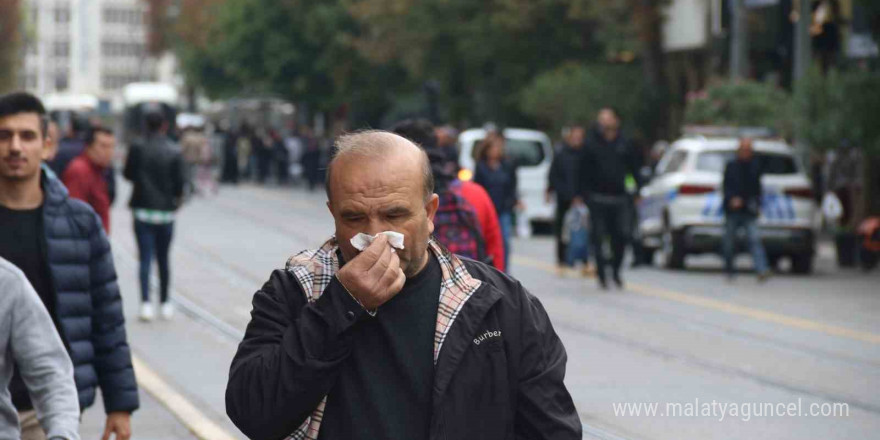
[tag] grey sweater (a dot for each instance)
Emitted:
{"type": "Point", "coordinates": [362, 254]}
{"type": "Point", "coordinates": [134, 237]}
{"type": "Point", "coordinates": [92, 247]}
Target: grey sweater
{"type": "Point", "coordinates": [28, 339]}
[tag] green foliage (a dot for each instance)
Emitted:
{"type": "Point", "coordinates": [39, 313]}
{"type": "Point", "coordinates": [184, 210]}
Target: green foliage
{"type": "Point", "coordinates": [818, 110]}
{"type": "Point", "coordinates": [741, 103]}
{"type": "Point", "coordinates": [371, 54]}
{"type": "Point", "coordinates": [861, 105]}
{"type": "Point", "coordinates": [574, 93]}
{"type": "Point", "coordinates": [839, 105]}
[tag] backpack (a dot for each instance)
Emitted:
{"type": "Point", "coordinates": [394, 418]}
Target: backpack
{"type": "Point", "coordinates": [456, 226]}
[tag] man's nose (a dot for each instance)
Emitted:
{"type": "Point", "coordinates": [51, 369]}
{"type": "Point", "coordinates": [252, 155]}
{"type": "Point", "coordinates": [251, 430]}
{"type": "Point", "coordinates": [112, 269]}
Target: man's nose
{"type": "Point", "coordinates": [376, 226]}
{"type": "Point", "coordinates": [15, 143]}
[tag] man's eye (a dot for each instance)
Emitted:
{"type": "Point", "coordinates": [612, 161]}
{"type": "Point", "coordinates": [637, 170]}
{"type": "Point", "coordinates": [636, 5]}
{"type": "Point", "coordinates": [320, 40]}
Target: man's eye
{"type": "Point", "coordinates": [5, 135]}
{"type": "Point", "coordinates": [28, 136]}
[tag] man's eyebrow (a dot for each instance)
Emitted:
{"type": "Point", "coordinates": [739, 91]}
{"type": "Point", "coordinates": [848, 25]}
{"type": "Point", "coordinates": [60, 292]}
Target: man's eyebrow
{"type": "Point", "coordinates": [348, 212]}
{"type": "Point", "coordinates": [396, 210]}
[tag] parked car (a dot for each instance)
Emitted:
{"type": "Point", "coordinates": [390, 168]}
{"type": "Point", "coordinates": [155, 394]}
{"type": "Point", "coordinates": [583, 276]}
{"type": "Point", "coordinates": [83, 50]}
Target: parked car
{"type": "Point", "coordinates": [680, 212]}
{"type": "Point", "coordinates": [532, 152]}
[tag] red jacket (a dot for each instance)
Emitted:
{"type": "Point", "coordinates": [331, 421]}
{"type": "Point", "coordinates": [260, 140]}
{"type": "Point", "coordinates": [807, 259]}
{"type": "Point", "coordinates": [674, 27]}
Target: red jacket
{"type": "Point", "coordinates": [85, 181]}
{"type": "Point", "coordinates": [488, 218]}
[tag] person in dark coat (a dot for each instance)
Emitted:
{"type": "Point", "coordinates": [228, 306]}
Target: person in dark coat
{"type": "Point", "coordinates": [394, 343]}
{"type": "Point", "coordinates": [157, 173]}
{"type": "Point", "coordinates": [563, 183]}
{"type": "Point", "coordinates": [608, 163]}
{"type": "Point", "coordinates": [497, 174]}
{"type": "Point", "coordinates": [742, 206]}
{"type": "Point", "coordinates": [60, 245]}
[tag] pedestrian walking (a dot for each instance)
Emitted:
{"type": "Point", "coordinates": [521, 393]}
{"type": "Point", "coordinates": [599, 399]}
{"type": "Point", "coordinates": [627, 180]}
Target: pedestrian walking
{"type": "Point", "coordinates": [85, 176]}
{"type": "Point", "coordinates": [280, 157]}
{"type": "Point", "coordinates": [230, 157]}
{"type": "Point", "coordinates": [29, 341]}
{"type": "Point", "coordinates": [742, 206]}
{"type": "Point", "coordinates": [311, 158]}
{"type": "Point", "coordinates": [401, 340]}
{"type": "Point", "coordinates": [497, 174]}
{"type": "Point", "coordinates": [156, 171]}
{"type": "Point", "coordinates": [59, 244]}
{"type": "Point", "coordinates": [608, 161]}
{"type": "Point", "coordinates": [563, 184]}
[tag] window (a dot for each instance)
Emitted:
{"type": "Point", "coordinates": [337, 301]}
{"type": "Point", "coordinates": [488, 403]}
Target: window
{"type": "Point", "coordinates": [715, 161]}
{"type": "Point", "coordinates": [676, 161]}
{"type": "Point", "coordinates": [61, 49]}
{"type": "Point", "coordinates": [62, 15]}
{"type": "Point", "coordinates": [61, 81]}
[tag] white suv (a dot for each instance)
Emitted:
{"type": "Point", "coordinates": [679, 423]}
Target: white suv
{"type": "Point", "coordinates": [681, 211]}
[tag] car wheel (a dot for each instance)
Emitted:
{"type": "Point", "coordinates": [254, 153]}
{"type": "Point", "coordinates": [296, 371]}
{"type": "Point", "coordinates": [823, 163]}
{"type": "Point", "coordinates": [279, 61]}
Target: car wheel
{"type": "Point", "coordinates": [673, 248]}
{"type": "Point", "coordinates": [802, 263]}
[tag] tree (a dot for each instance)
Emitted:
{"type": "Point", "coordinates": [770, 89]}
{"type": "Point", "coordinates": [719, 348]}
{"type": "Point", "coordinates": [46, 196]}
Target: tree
{"type": "Point", "coordinates": [10, 35]}
{"type": "Point", "coordinates": [574, 93]}
{"type": "Point", "coordinates": [741, 103]}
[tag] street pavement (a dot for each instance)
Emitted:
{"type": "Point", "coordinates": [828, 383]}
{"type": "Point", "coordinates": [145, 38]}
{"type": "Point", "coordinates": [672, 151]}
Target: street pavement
{"type": "Point", "coordinates": [670, 337]}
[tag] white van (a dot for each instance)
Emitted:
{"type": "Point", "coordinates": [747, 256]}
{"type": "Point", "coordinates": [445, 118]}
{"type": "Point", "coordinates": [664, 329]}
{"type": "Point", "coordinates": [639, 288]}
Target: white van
{"type": "Point", "coordinates": [533, 153]}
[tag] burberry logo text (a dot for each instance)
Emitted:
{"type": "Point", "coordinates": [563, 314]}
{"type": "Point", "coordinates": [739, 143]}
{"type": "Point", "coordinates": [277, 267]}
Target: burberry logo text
{"type": "Point", "coordinates": [487, 335]}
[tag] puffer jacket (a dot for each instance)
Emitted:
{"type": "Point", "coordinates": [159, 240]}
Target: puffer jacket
{"type": "Point", "coordinates": [157, 172]}
{"type": "Point", "coordinates": [88, 307]}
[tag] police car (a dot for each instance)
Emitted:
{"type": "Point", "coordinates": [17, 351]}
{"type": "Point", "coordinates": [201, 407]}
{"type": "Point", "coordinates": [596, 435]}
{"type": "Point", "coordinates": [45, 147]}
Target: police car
{"type": "Point", "coordinates": [681, 212]}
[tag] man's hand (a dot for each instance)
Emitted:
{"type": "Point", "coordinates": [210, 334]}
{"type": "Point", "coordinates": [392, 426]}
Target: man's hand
{"type": "Point", "coordinates": [736, 203]}
{"type": "Point", "coordinates": [118, 423]}
{"type": "Point", "coordinates": [548, 197]}
{"type": "Point", "coordinates": [374, 276]}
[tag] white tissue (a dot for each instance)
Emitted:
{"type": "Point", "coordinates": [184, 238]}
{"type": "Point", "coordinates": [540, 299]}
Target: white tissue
{"type": "Point", "coordinates": [361, 241]}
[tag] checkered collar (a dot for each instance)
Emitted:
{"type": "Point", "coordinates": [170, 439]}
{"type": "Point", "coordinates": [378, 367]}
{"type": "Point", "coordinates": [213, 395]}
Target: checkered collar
{"type": "Point", "coordinates": [315, 269]}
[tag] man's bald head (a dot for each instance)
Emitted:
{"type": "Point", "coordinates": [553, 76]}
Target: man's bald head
{"type": "Point", "coordinates": [381, 145]}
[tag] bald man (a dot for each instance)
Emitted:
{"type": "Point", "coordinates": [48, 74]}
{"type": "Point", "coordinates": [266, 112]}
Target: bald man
{"type": "Point", "coordinates": [395, 343]}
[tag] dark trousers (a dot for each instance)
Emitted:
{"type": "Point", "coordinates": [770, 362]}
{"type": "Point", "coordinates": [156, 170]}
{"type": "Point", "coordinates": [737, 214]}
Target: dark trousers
{"type": "Point", "coordinates": [153, 240]}
{"type": "Point", "coordinates": [608, 220]}
{"type": "Point", "coordinates": [562, 207]}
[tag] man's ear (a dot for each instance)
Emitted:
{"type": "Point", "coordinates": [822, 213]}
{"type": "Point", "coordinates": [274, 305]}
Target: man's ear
{"type": "Point", "coordinates": [431, 210]}
{"type": "Point", "coordinates": [44, 154]}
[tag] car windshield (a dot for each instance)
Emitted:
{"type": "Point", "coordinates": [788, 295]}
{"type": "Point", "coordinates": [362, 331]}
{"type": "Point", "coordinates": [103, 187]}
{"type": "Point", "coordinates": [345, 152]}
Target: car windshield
{"type": "Point", "coordinates": [522, 152]}
{"type": "Point", "coordinates": [714, 161]}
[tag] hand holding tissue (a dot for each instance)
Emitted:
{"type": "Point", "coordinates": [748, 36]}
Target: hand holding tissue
{"type": "Point", "coordinates": [361, 240]}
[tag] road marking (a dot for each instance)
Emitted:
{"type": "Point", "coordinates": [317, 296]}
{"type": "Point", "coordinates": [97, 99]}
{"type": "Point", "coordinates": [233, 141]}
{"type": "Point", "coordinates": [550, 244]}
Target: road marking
{"type": "Point", "coordinates": [194, 420]}
{"type": "Point", "coordinates": [727, 307]}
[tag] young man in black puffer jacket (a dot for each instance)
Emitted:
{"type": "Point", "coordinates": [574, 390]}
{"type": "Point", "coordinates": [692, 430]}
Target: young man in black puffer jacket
{"type": "Point", "coordinates": [60, 245]}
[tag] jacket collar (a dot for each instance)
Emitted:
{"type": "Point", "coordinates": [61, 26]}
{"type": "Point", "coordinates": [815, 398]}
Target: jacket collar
{"type": "Point", "coordinates": [315, 269]}
{"type": "Point", "coordinates": [54, 192]}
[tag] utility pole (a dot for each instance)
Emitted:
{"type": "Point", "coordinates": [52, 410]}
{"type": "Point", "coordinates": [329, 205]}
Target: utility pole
{"type": "Point", "coordinates": [802, 49]}
{"type": "Point", "coordinates": [739, 41]}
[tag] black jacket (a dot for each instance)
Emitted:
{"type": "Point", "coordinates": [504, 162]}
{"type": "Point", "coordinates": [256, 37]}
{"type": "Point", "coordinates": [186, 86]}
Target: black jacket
{"type": "Point", "coordinates": [156, 170]}
{"type": "Point", "coordinates": [88, 308]}
{"type": "Point", "coordinates": [743, 179]}
{"type": "Point", "coordinates": [505, 387]}
{"type": "Point", "coordinates": [565, 173]}
{"type": "Point", "coordinates": [501, 184]}
{"type": "Point", "coordinates": [605, 165]}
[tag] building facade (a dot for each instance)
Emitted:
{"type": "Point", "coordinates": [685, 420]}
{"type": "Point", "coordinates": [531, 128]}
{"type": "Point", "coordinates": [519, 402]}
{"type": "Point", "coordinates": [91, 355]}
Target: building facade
{"type": "Point", "coordinates": [85, 46]}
